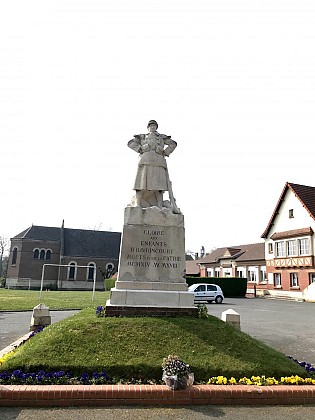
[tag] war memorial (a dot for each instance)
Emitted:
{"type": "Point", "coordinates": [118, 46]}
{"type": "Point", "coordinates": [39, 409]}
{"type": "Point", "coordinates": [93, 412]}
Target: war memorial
{"type": "Point", "coordinates": [151, 275]}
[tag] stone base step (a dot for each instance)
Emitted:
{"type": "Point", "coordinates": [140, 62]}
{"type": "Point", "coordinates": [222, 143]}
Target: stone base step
{"type": "Point", "coordinates": [281, 297]}
{"type": "Point", "coordinates": [152, 311]}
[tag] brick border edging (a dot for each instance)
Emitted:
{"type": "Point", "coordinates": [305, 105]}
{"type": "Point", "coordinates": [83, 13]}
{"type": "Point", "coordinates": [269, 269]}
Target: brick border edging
{"type": "Point", "coordinates": [153, 395]}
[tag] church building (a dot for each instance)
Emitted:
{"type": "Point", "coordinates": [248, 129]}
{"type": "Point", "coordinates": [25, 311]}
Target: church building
{"type": "Point", "coordinates": [66, 259]}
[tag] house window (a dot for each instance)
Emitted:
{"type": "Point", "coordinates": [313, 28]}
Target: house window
{"type": "Point", "coordinates": [14, 255]}
{"type": "Point", "coordinates": [217, 272]}
{"type": "Point", "coordinates": [36, 254]}
{"type": "Point", "coordinates": [263, 276]}
{"type": "Point", "coordinates": [42, 254]}
{"type": "Point", "coordinates": [252, 275]}
{"type": "Point", "coordinates": [280, 249]}
{"type": "Point", "coordinates": [291, 248]}
{"type": "Point", "coordinates": [48, 254]}
{"type": "Point", "coordinates": [291, 215]}
{"type": "Point", "coordinates": [72, 272]}
{"type": "Point", "coordinates": [312, 278]}
{"type": "Point", "coordinates": [294, 280]}
{"type": "Point", "coordinates": [90, 272]}
{"type": "Point", "coordinates": [239, 273]}
{"type": "Point", "coordinates": [304, 246]}
{"type": "Point", "coordinates": [270, 248]}
{"type": "Point", "coordinates": [277, 280]}
{"type": "Point", "coordinates": [209, 272]}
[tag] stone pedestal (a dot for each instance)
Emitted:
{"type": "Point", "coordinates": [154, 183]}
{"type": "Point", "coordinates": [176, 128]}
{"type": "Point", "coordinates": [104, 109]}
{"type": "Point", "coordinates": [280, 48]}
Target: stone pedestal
{"type": "Point", "coordinates": [151, 275]}
{"type": "Point", "coordinates": [232, 317]}
{"type": "Point", "coordinates": [40, 317]}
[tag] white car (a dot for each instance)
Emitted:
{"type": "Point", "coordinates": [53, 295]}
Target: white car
{"type": "Point", "coordinates": [207, 292]}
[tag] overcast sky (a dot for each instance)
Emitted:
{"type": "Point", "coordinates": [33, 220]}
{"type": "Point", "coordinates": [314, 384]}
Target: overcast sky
{"type": "Point", "coordinates": [232, 81]}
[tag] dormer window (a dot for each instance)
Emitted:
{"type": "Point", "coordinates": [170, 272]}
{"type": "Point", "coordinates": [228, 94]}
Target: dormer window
{"type": "Point", "coordinates": [291, 215]}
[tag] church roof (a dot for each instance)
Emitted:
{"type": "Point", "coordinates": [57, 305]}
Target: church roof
{"type": "Point", "coordinates": [40, 233]}
{"type": "Point", "coordinates": [77, 242]}
{"type": "Point", "coordinates": [93, 243]}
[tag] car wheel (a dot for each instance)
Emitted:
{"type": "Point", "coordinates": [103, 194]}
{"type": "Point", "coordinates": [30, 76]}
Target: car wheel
{"type": "Point", "coordinates": [219, 299]}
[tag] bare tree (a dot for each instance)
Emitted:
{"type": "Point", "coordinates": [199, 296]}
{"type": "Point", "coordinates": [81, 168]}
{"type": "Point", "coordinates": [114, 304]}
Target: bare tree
{"type": "Point", "coordinates": [190, 255]}
{"type": "Point", "coordinates": [4, 242]}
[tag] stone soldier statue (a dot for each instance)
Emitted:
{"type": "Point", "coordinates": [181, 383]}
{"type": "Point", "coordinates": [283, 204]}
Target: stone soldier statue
{"type": "Point", "coordinates": [152, 177]}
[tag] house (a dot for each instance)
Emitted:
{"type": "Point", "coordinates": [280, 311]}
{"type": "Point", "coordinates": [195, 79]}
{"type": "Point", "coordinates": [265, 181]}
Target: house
{"type": "Point", "coordinates": [192, 268]}
{"type": "Point", "coordinates": [67, 259]}
{"type": "Point", "coordinates": [246, 261]}
{"type": "Point", "coordinates": [290, 244]}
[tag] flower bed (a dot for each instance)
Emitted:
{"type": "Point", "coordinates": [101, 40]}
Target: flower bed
{"type": "Point", "coordinates": [262, 381]}
{"type": "Point", "coordinates": [60, 377]}
{"type": "Point", "coordinates": [48, 378]}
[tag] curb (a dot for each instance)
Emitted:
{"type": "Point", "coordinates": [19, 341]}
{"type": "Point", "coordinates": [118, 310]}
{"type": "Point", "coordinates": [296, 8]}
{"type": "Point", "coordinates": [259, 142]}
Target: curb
{"type": "Point", "coordinates": [15, 344]}
{"type": "Point", "coordinates": [153, 395]}
{"type": "Point", "coordinates": [31, 310]}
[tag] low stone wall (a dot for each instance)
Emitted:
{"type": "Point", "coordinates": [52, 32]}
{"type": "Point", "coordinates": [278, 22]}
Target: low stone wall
{"type": "Point", "coordinates": [31, 284]}
{"type": "Point", "coordinates": [309, 293]}
{"type": "Point", "coordinates": [280, 294]}
{"type": "Point", "coordinates": [82, 285]}
{"type": "Point", "coordinates": [113, 311]}
{"type": "Point", "coordinates": [27, 283]}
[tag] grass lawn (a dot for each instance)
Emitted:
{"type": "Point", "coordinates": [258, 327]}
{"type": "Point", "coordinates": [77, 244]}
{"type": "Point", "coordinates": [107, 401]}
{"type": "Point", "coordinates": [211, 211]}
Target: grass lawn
{"type": "Point", "coordinates": [23, 300]}
{"type": "Point", "coordinates": [134, 348]}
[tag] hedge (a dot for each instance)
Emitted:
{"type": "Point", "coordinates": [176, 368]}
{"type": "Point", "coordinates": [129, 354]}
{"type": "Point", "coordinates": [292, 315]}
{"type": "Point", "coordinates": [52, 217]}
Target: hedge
{"type": "Point", "coordinates": [231, 286]}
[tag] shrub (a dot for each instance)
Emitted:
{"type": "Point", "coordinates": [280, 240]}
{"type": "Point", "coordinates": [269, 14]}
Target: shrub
{"type": "Point", "coordinates": [109, 283]}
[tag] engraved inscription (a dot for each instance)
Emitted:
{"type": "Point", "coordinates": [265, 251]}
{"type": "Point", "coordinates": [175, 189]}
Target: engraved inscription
{"type": "Point", "coordinates": [154, 251]}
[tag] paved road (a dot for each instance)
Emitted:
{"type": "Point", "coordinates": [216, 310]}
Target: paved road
{"type": "Point", "coordinates": [287, 326]}
{"type": "Point", "coordinates": [14, 325]}
{"type": "Point", "coordinates": [162, 413]}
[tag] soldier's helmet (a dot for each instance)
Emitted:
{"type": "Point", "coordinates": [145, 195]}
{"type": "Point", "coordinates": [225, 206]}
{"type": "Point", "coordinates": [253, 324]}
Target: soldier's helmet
{"type": "Point", "coordinates": [152, 122]}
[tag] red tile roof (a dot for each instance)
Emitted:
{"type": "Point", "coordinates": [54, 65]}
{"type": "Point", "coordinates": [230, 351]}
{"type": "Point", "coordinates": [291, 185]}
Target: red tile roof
{"type": "Point", "coordinates": [249, 252]}
{"type": "Point", "coordinates": [292, 233]}
{"type": "Point", "coordinates": [305, 194]}
{"type": "Point", "coordinates": [192, 268]}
